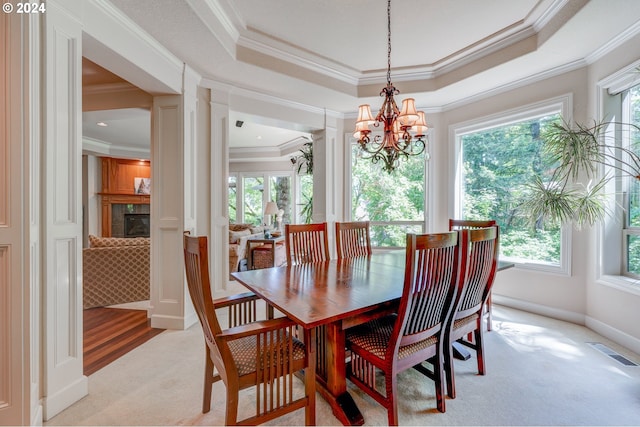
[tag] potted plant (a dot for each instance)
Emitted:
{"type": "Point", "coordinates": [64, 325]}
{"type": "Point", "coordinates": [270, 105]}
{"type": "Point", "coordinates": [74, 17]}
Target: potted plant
{"type": "Point", "coordinates": [581, 154]}
{"type": "Point", "coordinates": [304, 166]}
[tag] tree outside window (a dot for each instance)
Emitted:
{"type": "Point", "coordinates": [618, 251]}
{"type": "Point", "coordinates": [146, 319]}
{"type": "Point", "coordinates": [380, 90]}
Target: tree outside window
{"type": "Point", "coordinates": [497, 163]}
{"type": "Point", "coordinates": [394, 203]}
{"type": "Point", "coordinates": [631, 114]}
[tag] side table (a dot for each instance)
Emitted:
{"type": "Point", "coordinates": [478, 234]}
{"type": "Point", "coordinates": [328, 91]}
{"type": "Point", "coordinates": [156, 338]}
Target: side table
{"type": "Point", "coordinates": [270, 245]}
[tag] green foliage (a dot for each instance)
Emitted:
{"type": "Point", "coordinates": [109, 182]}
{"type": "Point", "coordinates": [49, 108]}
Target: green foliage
{"type": "Point", "coordinates": [578, 152]}
{"type": "Point", "coordinates": [498, 164]}
{"type": "Point", "coordinates": [381, 196]}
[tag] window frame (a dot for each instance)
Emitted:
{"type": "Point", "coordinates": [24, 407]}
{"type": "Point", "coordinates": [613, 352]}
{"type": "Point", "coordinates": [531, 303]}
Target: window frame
{"type": "Point", "coordinates": [611, 238]}
{"type": "Point", "coordinates": [562, 104]}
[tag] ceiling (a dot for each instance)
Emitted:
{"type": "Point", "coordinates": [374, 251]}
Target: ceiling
{"type": "Point", "coordinates": [332, 54]}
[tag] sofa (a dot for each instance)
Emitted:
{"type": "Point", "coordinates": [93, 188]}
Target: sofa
{"type": "Point", "coordinates": [238, 236]}
{"type": "Point", "coordinates": [116, 271]}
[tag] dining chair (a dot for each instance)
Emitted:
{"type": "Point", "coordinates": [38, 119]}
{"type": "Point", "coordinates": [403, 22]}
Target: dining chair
{"type": "Point", "coordinates": [352, 239]}
{"type": "Point", "coordinates": [481, 247]}
{"type": "Point", "coordinates": [306, 243]}
{"type": "Point", "coordinates": [396, 342]}
{"type": "Point", "coordinates": [260, 354]}
{"type": "Point", "coordinates": [461, 224]}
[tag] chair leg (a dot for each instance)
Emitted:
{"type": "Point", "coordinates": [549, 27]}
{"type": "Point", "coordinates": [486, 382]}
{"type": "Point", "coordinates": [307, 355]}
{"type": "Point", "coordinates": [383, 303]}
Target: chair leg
{"type": "Point", "coordinates": [438, 371]}
{"type": "Point", "coordinates": [392, 403]}
{"type": "Point", "coordinates": [208, 382]}
{"type": "Point", "coordinates": [480, 349]}
{"type": "Point", "coordinates": [231, 415]}
{"type": "Point", "coordinates": [489, 321]}
{"type": "Point", "coordinates": [449, 369]}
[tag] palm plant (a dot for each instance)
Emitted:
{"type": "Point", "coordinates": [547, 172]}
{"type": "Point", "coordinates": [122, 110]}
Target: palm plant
{"type": "Point", "coordinates": [580, 152]}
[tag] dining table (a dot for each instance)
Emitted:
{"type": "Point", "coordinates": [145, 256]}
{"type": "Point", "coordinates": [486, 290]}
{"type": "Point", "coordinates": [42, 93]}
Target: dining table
{"type": "Point", "coordinates": [332, 296]}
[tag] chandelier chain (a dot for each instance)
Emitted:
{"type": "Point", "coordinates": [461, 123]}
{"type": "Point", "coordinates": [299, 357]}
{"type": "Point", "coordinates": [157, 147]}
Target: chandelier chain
{"type": "Point", "coordinates": [389, 42]}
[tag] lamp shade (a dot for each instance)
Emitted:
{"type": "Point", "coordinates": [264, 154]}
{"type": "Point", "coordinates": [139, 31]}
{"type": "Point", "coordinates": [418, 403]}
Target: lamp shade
{"type": "Point", "coordinates": [420, 126]}
{"type": "Point", "coordinates": [271, 208]}
{"type": "Point", "coordinates": [408, 114]}
{"type": "Point", "coordinates": [364, 115]}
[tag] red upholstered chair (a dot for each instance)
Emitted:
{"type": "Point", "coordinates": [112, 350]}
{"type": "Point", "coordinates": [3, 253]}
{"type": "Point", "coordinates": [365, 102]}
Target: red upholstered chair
{"type": "Point", "coordinates": [462, 224]}
{"type": "Point", "coordinates": [306, 243]}
{"type": "Point", "coordinates": [482, 252]}
{"type": "Point", "coordinates": [392, 344]}
{"type": "Point", "coordinates": [352, 239]}
{"type": "Point", "coordinates": [260, 354]}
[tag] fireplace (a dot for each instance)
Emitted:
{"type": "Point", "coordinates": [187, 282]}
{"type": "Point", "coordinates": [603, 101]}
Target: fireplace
{"type": "Point", "coordinates": [137, 225]}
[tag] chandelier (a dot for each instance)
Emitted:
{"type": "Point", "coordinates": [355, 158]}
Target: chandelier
{"type": "Point", "coordinates": [404, 130]}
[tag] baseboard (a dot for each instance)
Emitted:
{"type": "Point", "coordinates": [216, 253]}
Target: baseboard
{"type": "Point", "coordinates": [543, 310]}
{"type": "Point", "coordinates": [54, 404]}
{"type": "Point", "coordinates": [173, 322]}
{"type": "Point", "coordinates": [615, 335]}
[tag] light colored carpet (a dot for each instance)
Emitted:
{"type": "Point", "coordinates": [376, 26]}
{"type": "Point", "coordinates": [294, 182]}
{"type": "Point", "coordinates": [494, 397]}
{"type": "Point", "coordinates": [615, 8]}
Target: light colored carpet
{"type": "Point", "coordinates": [540, 371]}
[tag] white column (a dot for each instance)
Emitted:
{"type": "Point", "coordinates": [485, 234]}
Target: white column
{"type": "Point", "coordinates": [168, 139]}
{"type": "Point", "coordinates": [326, 169]}
{"type": "Point", "coordinates": [63, 380]}
{"type": "Point", "coordinates": [219, 238]}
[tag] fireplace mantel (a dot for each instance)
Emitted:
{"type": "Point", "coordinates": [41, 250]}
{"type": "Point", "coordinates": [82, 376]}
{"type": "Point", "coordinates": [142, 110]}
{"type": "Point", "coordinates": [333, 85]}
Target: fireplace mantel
{"type": "Point", "coordinates": [110, 199]}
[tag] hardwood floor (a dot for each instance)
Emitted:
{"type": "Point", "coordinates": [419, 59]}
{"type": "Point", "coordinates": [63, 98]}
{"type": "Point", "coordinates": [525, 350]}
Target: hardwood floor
{"type": "Point", "coordinates": [109, 333]}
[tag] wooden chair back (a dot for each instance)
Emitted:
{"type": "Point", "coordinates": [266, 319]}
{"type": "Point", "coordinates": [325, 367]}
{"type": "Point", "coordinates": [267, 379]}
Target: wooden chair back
{"type": "Point", "coordinates": [469, 224]}
{"type": "Point", "coordinates": [482, 263]}
{"type": "Point", "coordinates": [196, 260]}
{"type": "Point", "coordinates": [306, 243]}
{"type": "Point", "coordinates": [473, 301]}
{"type": "Point", "coordinates": [434, 267]}
{"type": "Point", "coordinates": [352, 239]}
{"type": "Point", "coordinates": [461, 224]}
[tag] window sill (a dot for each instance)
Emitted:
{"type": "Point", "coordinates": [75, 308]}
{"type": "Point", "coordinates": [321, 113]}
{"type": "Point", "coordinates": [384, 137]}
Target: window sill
{"type": "Point", "coordinates": [621, 283]}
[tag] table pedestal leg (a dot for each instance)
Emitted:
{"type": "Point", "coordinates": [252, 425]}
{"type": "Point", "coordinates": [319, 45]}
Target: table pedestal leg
{"type": "Point", "coordinates": [334, 386]}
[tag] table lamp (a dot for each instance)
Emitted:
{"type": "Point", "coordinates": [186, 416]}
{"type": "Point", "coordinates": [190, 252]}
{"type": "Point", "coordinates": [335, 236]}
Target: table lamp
{"type": "Point", "coordinates": [270, 210]}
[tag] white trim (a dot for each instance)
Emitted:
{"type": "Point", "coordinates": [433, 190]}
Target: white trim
{"type": "Point", "coordinates": [564, 103]}
{"type": "Point", "coordinates": [615, 335]}
{"type": "Point", "coordinates": [523, 82]}
{"type": "Point", "coordinates": [620, 283]}
{"type": "Point", "coordinates": [102, 148]}
{"type": "Point", "coordinates": [543, 310]}
{"type": "Point", "coordinates": [614, 43]}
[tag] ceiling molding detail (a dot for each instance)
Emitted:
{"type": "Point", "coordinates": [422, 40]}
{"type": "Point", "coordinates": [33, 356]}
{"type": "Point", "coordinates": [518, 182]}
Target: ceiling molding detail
{"type": "Point", "coordinates": [131, 26]}
{"type": "Point", "coordinates": [101, 148]}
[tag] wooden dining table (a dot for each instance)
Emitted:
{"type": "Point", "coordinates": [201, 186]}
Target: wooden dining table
{"type": "Point", "coordinates": [332, 296]}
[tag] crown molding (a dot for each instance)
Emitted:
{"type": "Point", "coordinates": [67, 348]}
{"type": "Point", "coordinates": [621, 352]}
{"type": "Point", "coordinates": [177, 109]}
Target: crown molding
{"type": "Point", "coordinates": [575, 65]}
{"type": "Point", "coordinates": [614, 43]}
{"type": "Point", "coordinates": [102, 148]}
{"type": "Point", "coordinates": [259, 96]}
{"type": "Point", "coordinates": [110, 88]}
{"type": "Point", "coordinates": [114, 13]}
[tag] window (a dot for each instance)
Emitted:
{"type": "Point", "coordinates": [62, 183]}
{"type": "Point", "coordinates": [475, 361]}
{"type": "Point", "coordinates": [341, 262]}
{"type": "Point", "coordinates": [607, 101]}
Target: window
{"type": "Point", "coordinates": [496, 159]}
{"type": "Point", "coordinates": [232, 198]}
{"type": "Point", "coordinates": [304, 204]}
{"type": "Point", "coordinates": [631, 138]}
{"type": "Point", "coordinates": [248, 194]}
{"type": "Point", "coordinates": [394, 203]}
{"type": "Point", "coordinates": [620, 238]}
